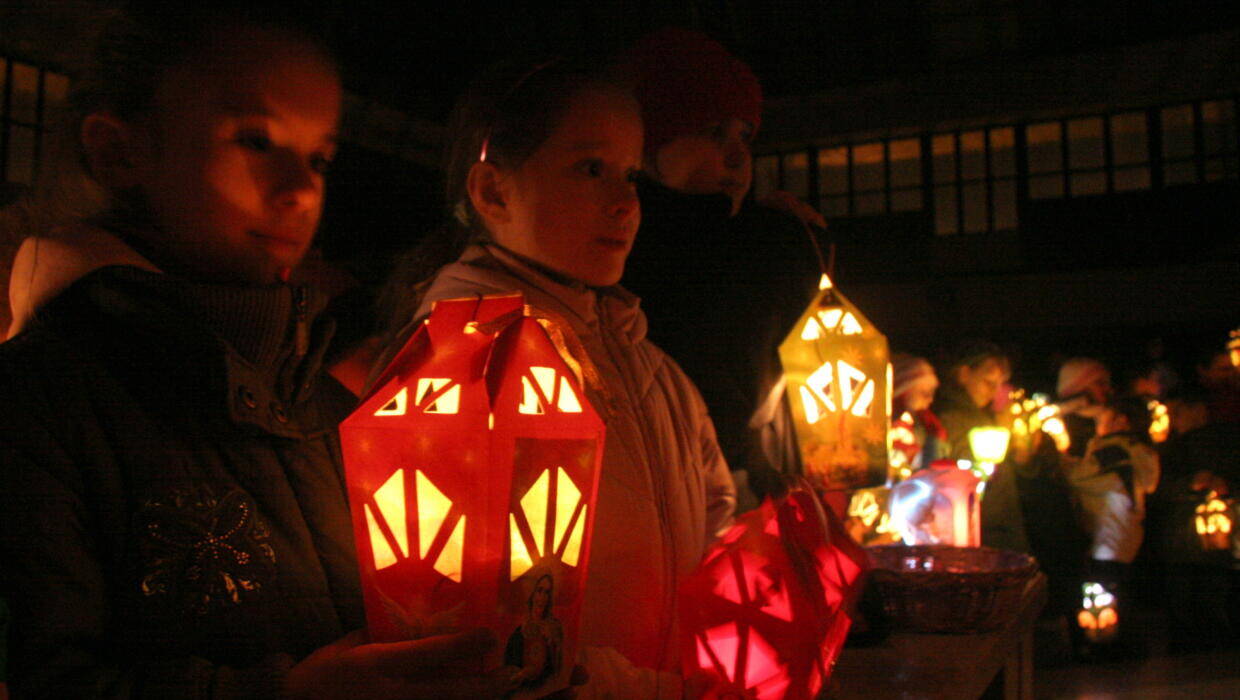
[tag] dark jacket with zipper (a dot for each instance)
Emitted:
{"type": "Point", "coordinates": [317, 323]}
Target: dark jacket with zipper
{"type": "Point", "coordinates": [173, 518]}
{"type": "Point", "coordinates": [721, 293]}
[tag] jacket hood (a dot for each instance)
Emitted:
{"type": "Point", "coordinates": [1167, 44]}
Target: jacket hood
{"type": "Point", "coordinates": [47, 265]}
{"type": "Point", "coordinates": [494, 270]}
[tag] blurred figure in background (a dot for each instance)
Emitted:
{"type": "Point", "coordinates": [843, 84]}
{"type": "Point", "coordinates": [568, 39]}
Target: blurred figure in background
{"type": "Point", "coordinates": [722, 280]}
{"type": "Point", "coordinates": [913, 386]}
{"type": "Point", "coordinates": [1083, 388]}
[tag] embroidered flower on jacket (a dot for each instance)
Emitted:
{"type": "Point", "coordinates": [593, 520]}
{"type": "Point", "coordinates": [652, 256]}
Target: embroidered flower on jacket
{"type": "Point", "coordinates": [203, 553]}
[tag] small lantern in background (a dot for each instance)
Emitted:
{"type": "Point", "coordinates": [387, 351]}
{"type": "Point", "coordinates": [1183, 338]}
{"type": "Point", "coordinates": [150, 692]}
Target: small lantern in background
{"type": "Point", "coordinates": [939, 505]}
{"type": "Point", "coordinates": [1098, 617]}
{"type": "Point", "coordinates": [904, 456]}
{"type": "Point", "coordinates": [989, 447]}
{"type": "Point", "coordinates": [1054, 427]}
{"type": "Point", "coordinates": [472, 471]}
{"type": "Point", "coordinates": [1233, 348]}
{"type": "Point", "coordinates": [839, 382]}
{"type": "Point", "coordinates": [1213, 523]}
{"type": "Point", "coordinates": [1160, 421]}
{"type": "Point", "coordinates": [766, 610]}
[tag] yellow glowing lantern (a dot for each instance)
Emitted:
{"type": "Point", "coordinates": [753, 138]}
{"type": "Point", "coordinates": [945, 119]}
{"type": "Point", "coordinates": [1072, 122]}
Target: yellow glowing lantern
{"type": "Point", "coordinates": [839, 382]}
{"type": "Point", "coordinates": [989, 445]}
{"type": "Point", "coordinates": [1054, 427]}
{"type": "Point", "coordinates": [1097, 618]}
{"type": "Point", "coordinates": [1213, 521]}
{"type": "Point", "coordinates": [1233, 348]}
{"type": "Point", "coordinates": [1160, 421]}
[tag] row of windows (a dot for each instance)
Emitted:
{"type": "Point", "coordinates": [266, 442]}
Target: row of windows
{"type": "Point", "coordinates": [30, 100]}
{"type": "Point", "coordinates": [972, 181]}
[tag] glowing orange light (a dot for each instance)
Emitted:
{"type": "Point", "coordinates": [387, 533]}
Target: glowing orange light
{"type": "Point", "coordinates": [989, 444]}
{"type": "Point", "coordinates": [1160, 421]}
{"type": "Point", "coordinates": [1213, 522]}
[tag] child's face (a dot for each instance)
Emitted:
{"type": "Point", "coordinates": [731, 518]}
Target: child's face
{"type": "Point", "coordinates": [241, 141]}
{"type": "Point", "coordinates": [982, 382]}
{"type": "Point", "coordinates": [573, 203]}
{"type": "Point", "coordinates": [716, 159]}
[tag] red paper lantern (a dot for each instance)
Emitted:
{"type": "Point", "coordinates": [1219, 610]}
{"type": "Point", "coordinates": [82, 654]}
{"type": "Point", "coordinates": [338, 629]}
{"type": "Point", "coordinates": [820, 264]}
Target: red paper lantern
{"type": "Point", "coordinates": [766, 609]}
{"type": "Point", "coordinates": [472, 473]}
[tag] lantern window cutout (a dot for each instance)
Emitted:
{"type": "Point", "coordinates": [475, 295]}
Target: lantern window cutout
{"type": "Point", "coordinates": [1212, 520]}
{"type": "Point", "coordinates": [439, 395]}
{"type": "Point", "coordinates": [556, 520]}
{"type": "Point", "coordinates": [389, 535]}
{"type": "Point", "coordinates": [544, 391]}
{"type": "Point", "coordinates": [1098, 617]}
{"type": "Point", "coordinates": [397, 406]}
{"type": "Point", "coordinates": [835, 366]}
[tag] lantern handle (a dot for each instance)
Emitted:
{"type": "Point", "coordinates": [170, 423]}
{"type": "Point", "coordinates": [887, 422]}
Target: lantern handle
{"type": "Point", "coordinates": [825, 266]}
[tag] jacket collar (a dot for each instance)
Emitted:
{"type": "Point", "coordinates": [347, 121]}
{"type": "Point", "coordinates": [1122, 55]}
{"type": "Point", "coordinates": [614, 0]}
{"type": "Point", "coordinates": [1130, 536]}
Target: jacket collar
{"type": "Point", "coordinates": [45, 266]}
{"type": "Point", "coordinates": [491, 269]}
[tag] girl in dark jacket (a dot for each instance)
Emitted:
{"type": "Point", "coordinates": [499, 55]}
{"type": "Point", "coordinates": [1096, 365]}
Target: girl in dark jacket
{"type": "Point", "coordinates": [173, 521]}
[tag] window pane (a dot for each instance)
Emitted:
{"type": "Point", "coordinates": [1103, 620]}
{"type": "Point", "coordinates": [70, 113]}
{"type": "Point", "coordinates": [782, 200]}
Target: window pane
{"type": "Point", "coordinates": [1085, 149]}
{"type": "Point", "coordinates": [765, 175]}
{"type": "Point", "coordinates": [1004, 193]}
{"type": "Point", "coordinates": [55, 92]}
{"type": "Point", "coordinates": [1043, 144]}
{"type": "Point", "coordinates": [1045, 186]}
{"type": "Point", "coordinates": [972, 156]}
{"type": "Point", "coordinates": [1132, 179]}
{"type": "Point", "coordinates": [905, 157]}
{"type": "Point", "coordinates": [1218, 127]}
{"type": "Point", "coordinates": [868, 203]}
{"type": "Point", "coordinates": [835, 207]}
{"type": "Point", "coordinates": [906, 200]}
{"type": "Point", "coordinates": [21, 155]}
{"type": "Point", "coordinates": [1221, 168]}
{"type": "Point", "coordinates": [1085, 184]}
{"type": "Point", "coordinates": [1128, 142]}
{"type": "Point", "coordinates": [24, 98]}
{"type": "Point", "coordinates": [833, 170]}
{"type": "Point", "coordinates": [796, 174]}
{"type": "Point", "coordinates": [1177, 132]}
{"type": "Point", "coordinates": [1183, 172]}
{"type": "Point", "coordinates": [943, 147]}
{"type": "Point", "coordinates": [1002, 153]}
{"type": "Point", "coordinates": [945, 210]}
{"type": "Point", "coordinates": [868, 167]}
{"type": "Point", "coordinates": [975, 207]}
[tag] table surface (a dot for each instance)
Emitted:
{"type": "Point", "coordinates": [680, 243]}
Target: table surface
{"type": "Point", "coordinates": [911, 665]}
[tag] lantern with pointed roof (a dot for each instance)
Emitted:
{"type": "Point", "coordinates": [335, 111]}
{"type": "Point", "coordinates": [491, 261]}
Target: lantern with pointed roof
{"type": "Point", "coordinates": [472, 471]}
{"type": "Point", "coordinates": [838, 376]}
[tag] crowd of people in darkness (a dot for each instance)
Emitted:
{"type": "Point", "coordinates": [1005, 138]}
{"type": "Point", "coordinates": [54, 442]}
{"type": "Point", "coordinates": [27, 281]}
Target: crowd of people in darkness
{"type": "Point", "coordinates": [173, 513]}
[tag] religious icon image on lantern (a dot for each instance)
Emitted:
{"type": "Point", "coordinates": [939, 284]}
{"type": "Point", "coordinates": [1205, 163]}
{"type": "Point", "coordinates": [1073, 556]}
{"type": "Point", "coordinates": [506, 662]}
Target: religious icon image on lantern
{"type": "Point", "coordinates": [536, 647]}
{"type": "Point", "coordinates": [1098, 617]}
{"type": "Point", "coordinates": [472, 471]}
{"type": "Point", "coordinates": [1213, 522]}
{"type": "Point", "coordinates": [939, 505]}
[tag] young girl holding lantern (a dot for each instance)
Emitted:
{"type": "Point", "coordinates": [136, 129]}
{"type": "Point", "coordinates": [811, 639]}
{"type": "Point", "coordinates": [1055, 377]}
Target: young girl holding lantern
{"type": "Point", "coordinates": [543, 201]}
{"type": "Point", "coordinates": [173, 521]}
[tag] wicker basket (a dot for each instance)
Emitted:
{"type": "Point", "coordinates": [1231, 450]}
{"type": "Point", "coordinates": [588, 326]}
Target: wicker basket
{"type": "Point", "coordinates": [954, 590]}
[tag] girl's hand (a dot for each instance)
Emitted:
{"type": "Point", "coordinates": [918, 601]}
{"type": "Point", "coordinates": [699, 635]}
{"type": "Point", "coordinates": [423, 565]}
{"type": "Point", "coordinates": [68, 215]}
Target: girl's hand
{"type": "Point", "coordinates": [446, 666]}
{"type": "Point", "coordinates": [791, 204]}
